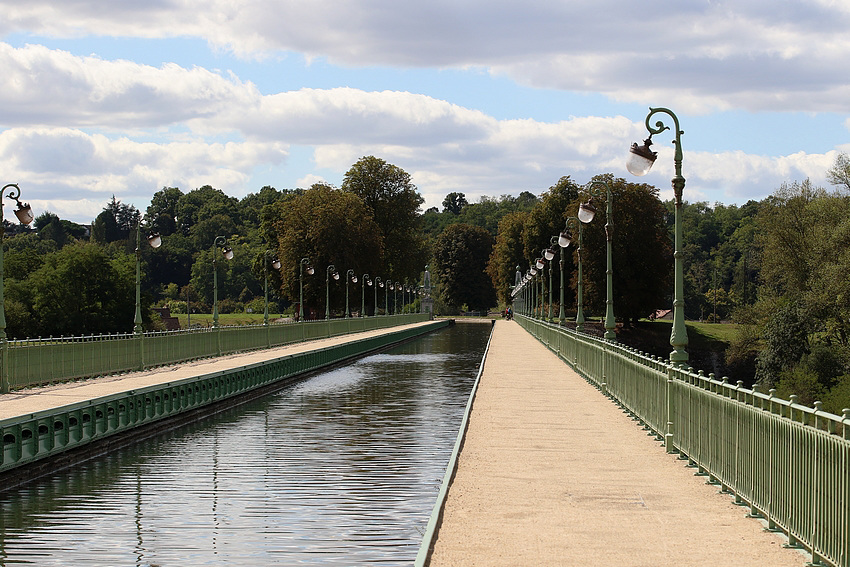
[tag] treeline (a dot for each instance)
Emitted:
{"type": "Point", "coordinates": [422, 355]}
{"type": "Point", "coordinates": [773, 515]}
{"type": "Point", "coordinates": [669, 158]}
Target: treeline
{"type": "Point", "coordinates": [775, 266]}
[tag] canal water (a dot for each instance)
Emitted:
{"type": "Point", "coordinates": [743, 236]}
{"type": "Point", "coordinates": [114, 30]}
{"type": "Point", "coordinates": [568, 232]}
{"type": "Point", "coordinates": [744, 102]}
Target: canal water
{"type": "Point", "coordinates": [342, 468]}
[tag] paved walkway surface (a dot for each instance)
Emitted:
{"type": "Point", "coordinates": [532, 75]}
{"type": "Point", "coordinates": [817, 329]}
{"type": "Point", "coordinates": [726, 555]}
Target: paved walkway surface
{"type": "Point", "coordinates": [553, 473]}
{"type": "Point", "coordinates": [23, 402]}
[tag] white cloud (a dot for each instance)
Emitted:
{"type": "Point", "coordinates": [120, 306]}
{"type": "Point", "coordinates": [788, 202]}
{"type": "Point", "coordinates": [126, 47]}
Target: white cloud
{"type": "Point", "coordinates": [91, 127]}
{"type": "Point", "coordinates": [51, 87]}
{"type": "Point", "coordinates": [99, 167]}
{"type": "Point", "coordinates": [749, 54]}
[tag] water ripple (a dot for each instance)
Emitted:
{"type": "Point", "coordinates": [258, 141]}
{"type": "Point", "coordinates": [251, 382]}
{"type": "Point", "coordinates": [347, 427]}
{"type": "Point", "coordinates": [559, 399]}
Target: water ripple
{"type": "Point", "coordinates": [339, 469]}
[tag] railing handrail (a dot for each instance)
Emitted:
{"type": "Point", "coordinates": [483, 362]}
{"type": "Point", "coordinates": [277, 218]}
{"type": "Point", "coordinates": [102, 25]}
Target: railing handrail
{"type": "Point", "coordinates": [786, 461]}
{"type": "Point", "coordinates": [30, 362]}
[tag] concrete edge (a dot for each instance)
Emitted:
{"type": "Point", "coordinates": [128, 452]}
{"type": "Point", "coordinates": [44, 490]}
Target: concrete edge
{"type": "Point", "coordinates": [433, 527]}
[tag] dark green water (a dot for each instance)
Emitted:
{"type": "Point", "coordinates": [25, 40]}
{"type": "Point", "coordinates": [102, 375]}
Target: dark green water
{"type": "Point", "coordinates": [342, 468]}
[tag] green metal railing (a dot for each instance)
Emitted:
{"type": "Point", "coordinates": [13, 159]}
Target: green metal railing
{"type": "Point", "coordinates": [33, 437]}
{"type": "Point", "coordinates": [785, 462]}
{"type": "Point", "coordinates": [44, 361]}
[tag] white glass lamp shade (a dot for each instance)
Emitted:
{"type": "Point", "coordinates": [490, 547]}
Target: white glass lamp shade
{"type": "Point", "coordinates": [353, 279]}
{"type": "Point", "coordinates": [227, 251]}
{"type": "Point", "coordinates": [564, 239]}
{"type": "Point", "coordinates": [640, 159]}
{"type": "Point", "coordinates": [533, 271]}
{"type": "Point", "coordinates": [276, 264]}
{"type": "Point", "coordinates": [548, 254]}
{"type": "Point", "coordinates": [336, 275]}
{"type": "Point", "coordinates": [586, 212]}
{"type": "Point", "coordinates": [155, 240]}
{"type": "Point", "coordinates": [310, 270]}
{"type": "Point", "coordinates": [539, 264]}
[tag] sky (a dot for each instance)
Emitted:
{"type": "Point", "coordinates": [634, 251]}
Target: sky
{"type": "Point", "coordinates": [485, 98]}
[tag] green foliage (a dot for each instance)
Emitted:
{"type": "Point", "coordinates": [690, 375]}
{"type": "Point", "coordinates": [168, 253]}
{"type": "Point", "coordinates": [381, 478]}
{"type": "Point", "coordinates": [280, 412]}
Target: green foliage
{"type": "Point", "coordinates": [461, 254]}
{"type": "Point", "coordinates": [328, 226]}
{"type": "Point", "coordinates": [80, 289]}
{"type": "Point", "coordinates": [786, 340]}
{"type": "Point", "coordinates": [839, 173]}
{"type": "Point", "coordinates": [454, 203]}
{"type": "Point", "coordinates": [507, 254]}
{"type": "Point", "coordinates": [394, 201]}
{"type": "Point", "coordinates": [115, 222]}
{"type": "Point", "coordinates": [838, 397]}
{"type": "Point", "coordinates": [642, 256]}
{"type": "Point", "coordinates": [162, 212]}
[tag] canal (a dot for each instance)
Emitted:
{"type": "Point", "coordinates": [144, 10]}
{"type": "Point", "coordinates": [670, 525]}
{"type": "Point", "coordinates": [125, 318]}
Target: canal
{"type": "Point", "coordinates": [341, 468]}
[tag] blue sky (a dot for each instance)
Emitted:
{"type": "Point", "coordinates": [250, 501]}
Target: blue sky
{"type": "Point", "coordinates": [484, 98]}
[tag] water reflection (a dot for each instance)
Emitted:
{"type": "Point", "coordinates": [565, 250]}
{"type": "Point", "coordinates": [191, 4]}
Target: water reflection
{"type": "Point", "coordinates": [339, 469]}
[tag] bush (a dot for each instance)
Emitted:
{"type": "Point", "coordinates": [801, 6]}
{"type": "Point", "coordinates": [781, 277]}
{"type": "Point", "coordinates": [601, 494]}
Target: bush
{"type": "Point", "coordinates": [838, 396]}
{"type": "Point", "coordinates": [230, 306]}
{"type": "Point", "coordinates": [803, 382]}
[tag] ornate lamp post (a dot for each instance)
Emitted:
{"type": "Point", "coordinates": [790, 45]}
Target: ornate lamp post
{"type": "Point", "coordinates": [366, 281]}
{"type": "Point", "coordinates": [387, 285]}
{"type": "Point", "coordinates": [396, 286]}
{"type": "Point", "coordinates": [276, 265]}
{"type": "Point", "coordinates": [25, 216]}
{"type": "Point", "coordinates": [549, 255]}
{"type": "Point", "coordinates": [533, 283]}
{"type": "Point", "coordinates": [310, 271]}
{"type": "Point", "coordinates": [329, 273]}
{"type": "Point", "coordinates": [586, 214]}
{"type": "Point", "coordinates": [349, 276]}
{"type": "Point", "coordinates": [155, 240]}
{"type": "Point", "coordinates": [227, 252]}
{"type": "Point", "coordinates": [541, 267]}
{"type": "Point", "coordinates": [564, 240]}
{"type": "Point", "coordinates": [640, 161]}
{"type": "Point", "coordinates": [378, 283]}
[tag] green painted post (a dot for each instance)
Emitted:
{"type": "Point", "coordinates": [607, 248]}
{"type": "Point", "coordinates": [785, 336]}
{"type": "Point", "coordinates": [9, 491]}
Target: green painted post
{"type": "Point", "coordinates": [363, 284]}
{"type": "Point", "coordinates": [349, 277]}
{"type": "Point", "coordinates": [610, 321]}
{"type": "Point", "coordinates": [580, 286]}
{"type": "Point", "coordinates": [330, 272]}
{"type": "Point", "coordinates": [25, 216]}
{"type": "Point", "coordinates": [310, 270]}
{"type": "Point", "coordinates": [640, 161]}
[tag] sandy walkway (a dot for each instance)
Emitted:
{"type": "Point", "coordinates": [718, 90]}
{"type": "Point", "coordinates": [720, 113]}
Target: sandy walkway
{"type": "Point", "coordinates": [553, 473]}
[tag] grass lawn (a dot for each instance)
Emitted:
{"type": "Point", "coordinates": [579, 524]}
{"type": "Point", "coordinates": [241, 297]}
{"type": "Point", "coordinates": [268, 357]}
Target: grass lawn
{"type": "Point", "coordinates": [700, 335]}
{"type": "Point", "coordinates": [206, 319]}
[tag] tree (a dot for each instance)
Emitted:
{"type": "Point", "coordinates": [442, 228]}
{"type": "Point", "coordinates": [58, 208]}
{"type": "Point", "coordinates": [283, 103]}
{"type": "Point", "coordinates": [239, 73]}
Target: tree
{"type": "Point", "coordinates": [461, 254]}
{"type": "Point", "coordinates": [116, 222]}
{"type": "Point", "coordinates": [328, 226]}
{"type": "Point", "coordinates": [548, 217]}
{"type": "Point", "coordinates": [394, 201]}
{"type": "Point", "coordinates": [507, 253]}
{"type": "Point", "coordinates": [454, 203]}
{"type": "Point", "coordinates": [50, 227]}
{"type": "Point", "coordinates": [81, 290]}
{"type": "Point", "coordinates": [642, 255]}
{"type": "Point", "coordinates": [204, 203]}
{"type": "Point", "coordinates": [839, 173]}
{"type": "Point", "coordinates": [162, 212]}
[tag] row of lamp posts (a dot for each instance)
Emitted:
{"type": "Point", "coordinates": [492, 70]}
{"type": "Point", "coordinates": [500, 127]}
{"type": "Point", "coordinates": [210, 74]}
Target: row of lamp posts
{"type": "Point", "coordinates": [641, 159]}
{"type": "Point", "coordinates": [331, 273]}
{"type": "Point", "coordinates": [639, 163]}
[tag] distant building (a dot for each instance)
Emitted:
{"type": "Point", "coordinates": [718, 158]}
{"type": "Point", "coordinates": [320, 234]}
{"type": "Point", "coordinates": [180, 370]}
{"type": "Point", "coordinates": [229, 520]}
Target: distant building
{"type": "Point", "coordinates": [665, 314]}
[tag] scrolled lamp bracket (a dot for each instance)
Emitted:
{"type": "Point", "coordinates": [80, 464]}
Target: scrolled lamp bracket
{"type": "Point", "coordinates": [23, 210]}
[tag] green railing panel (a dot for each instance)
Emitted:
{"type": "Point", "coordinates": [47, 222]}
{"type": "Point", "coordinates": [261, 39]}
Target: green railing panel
{"type": "Point", "coordinates": [787, 463]}
{"type": "Point", "coordinates": [44, 361]}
